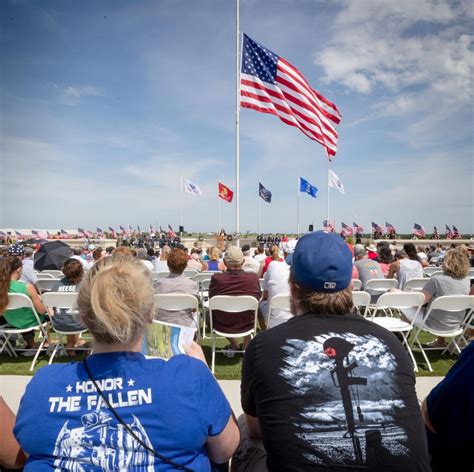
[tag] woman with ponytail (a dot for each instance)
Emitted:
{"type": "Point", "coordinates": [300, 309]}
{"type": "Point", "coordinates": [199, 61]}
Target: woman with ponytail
{"type": "Point", "coordinates": [118, 410]}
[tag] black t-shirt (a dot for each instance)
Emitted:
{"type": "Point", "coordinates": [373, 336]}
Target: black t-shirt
{"type": "Point", "coordinates": [334, 393]}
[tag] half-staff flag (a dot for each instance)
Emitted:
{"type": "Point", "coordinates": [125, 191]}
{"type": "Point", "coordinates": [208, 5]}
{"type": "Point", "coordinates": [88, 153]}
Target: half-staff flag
{"type": "Point", "coordinates": [225, 192]}
{"type": "Point", "coordinates": [264, 193]}
{"type": "Point", "coordinates": [270, 84]}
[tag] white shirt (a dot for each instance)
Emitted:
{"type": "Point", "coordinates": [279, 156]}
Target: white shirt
{"type": "Point", "coordinates": [149, 265]}
{"type": "Point", "coordinates": [161, 266]}
{"type": "Point", "coordinates": [86, 265]}
{"type": "Point", "coordinates": [275, 282]}
{"type": "Point", "coordinates": [260, 257]}
{"type": "Point", "coordinates": [409, 269]}
{"type": "Point", "coordinates": [28, 274]}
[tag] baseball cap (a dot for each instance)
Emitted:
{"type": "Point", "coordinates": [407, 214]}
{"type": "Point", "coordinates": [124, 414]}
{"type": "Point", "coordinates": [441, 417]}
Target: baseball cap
{"type": "Point", "coordinates": [16, 250]}
{"type": "Point", "coordinates": [359, 250]}
{"type": "Point", "coordinates": [233, 254]}
{"type": "Point", "coordinates": [322, 262]}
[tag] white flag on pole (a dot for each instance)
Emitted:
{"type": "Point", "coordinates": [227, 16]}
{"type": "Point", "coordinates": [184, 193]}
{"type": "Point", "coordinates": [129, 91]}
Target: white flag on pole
{"type": "Point", "coordinates": [190, 187]}
{"type": "Point", "coordinates": [335, 181]}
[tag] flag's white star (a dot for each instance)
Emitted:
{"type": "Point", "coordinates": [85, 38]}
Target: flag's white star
{"type": "Point", "coordinates": [131, 383]}
{"type": "Point", "coordinates": [69, 388]}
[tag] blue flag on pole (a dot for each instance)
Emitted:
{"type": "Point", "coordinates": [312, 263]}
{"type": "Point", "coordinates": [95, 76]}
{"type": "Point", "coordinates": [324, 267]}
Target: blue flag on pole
{"type": "Point", "coordinates": [306, 187]}
{"type": "Point", "coordinates": [264, 193]}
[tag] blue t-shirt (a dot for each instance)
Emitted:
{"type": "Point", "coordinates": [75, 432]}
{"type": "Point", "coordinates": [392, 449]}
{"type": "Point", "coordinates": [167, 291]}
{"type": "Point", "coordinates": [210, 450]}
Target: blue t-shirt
{"type": "Point", "coordinates": [173, 406]}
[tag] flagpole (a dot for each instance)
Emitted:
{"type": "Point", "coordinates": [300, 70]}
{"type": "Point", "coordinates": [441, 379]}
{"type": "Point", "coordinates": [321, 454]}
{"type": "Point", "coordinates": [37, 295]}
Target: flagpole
{"type": "Point", "coordinates": [329, 168]}
{"type": "Point", "coordinates": [218, 215]}
{"type": "Point", "coordinates": [298, 206]}
{"type": "Point", "coordinates": [181, 202]}
{"type": "Point", "coordinates": [259, 213]}
{"type": "Point", "coordinates": [237, 122]}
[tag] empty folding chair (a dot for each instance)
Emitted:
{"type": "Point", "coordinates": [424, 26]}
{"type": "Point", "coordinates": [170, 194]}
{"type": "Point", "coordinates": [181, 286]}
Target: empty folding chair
{"type": "Point", "coordinates": [63, 301]}
{"type": "Point", "coordinates": [57, 274]}
{"type": "Point", "coordinates": [203, 275]}
{"type": "Point", "coordinates": [279, 302]}
{"type": "Point", "coordinates": [450, 303]}
{"type": "Point", "coordinates": [190, 273]}
{"type": "Point", "coordinates": [361, 301]}
{"type": "Point", "coordinates": [46, 285]}
{"type": "Point", "coordinates": [393, 302]}
{"type": "Point", "coordinates": [19, 300]}
{"type": "Point", "coordinates": [430, 270]}
{"type": "Point", "coordinates": [231, 304]}
{"type": "Point", "coordinates": [45, 276]}
{"type": "Point", "coordinates": [415, 285]}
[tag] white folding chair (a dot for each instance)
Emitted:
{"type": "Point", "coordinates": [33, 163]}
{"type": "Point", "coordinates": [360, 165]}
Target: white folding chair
{"type": "Point", "coordinates": [356, 284]}
{"type": "Point", "coordinates": [66, 301]}
{"type": "Point", "coordinates": [231, 304]}
{"type": "Point", "coordinates": [261, 284]}
{"type": "Point", "coordinates": [159, 275]}
{"type": "Point", "coordinates": [191, 273]}
{"type": "Point", "coordinates": [203, 276]}
{"type": "Point", "coordinates": [415, 285]}
{"type": "Point", "coordinates": [55, 273]}
{"type": "Point", "coordinates": [45, 276]}
{"type": "Point", "coordinates": [396, 301]}
{"type": "Point", "coordinates": [46, 285]}
{"type": "Point", "coordinates": [19, 300]}
{"type": "Point", "coordinates": [379, 286]}
{"type": "Point", "coordinates": [204, 300]}
{"type": "Point", "coordinates": [278, 302]}
{"type": "Point", "coordinates": [361, 299]}
{"type": "Point", "coordinates": [452, 303]}
{"type": "Point", "coordinates": [430, 270]}
{"type": "Point", "coordinates": [179, 302]}
{"type": "Point", "coordinates": [471, 273]}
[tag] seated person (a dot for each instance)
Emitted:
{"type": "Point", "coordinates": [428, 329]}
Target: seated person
{"type": "Point", "coordinates": [117, 410]}
{"type": "Point", "coordinates": [176, 282]}
{"type": "Point", "coordinates": [10, 273]}
{"type": "Point", "coordinates": [11, 455]}
{"type": "Point", "coordinates": [368, 269]}
{"type": "Point", "coordinates": [406, 266]}
{"type": "Point", "coordinates": [453, 281]}
{"type": "Point", "coordinates": [449, 417]}
{"type": "Point", "coordinates": [161, 264]}
{"type": "Point", "coordinates": [250, 263]}
{"type": "Point", "coordinates": [274, 251]}
{"type": "Point", "coordinates": [62, 320]}
{"type": "Point", "coordinates": [214, 263]}
{"type": "Point", "coordinates": [385, 258]}
{"type": "Point", "coordinates": [234, 281]}
{"type": "Point", "coordinates": [194, 262]}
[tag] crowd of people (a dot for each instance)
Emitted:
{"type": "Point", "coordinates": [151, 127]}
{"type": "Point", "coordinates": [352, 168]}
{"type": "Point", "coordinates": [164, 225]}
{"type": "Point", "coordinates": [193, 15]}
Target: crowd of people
{"type": "Point", "coordinates": [322, 387]}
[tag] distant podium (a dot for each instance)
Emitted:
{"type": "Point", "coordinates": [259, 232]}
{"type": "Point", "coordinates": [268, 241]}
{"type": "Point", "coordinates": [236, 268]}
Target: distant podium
{"type": "Point", "coordinates": [220, 241]}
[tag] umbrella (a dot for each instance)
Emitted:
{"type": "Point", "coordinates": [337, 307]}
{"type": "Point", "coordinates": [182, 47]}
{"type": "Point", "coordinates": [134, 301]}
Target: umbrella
{"type": "Point", "coordinates": [52, 255]}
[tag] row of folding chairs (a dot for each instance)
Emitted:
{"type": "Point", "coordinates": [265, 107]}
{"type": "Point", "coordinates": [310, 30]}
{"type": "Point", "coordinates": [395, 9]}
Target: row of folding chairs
{"type": "Point", "coordinates": [386, 313]}
{"type": "Point", "coordinates": [51, 300]}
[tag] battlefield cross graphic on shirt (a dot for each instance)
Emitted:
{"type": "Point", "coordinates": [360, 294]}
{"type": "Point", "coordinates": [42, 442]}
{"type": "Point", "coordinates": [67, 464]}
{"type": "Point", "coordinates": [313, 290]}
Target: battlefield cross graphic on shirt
{"type": "Point", "coordinates": [357, 420]}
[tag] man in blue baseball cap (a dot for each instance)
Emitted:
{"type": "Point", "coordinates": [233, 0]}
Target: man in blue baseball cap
{"type": "Point", "coordinates": [329, 389]}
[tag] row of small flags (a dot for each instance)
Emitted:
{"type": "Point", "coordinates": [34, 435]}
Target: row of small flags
{"type": "Point", "coordinates": [225, 193]}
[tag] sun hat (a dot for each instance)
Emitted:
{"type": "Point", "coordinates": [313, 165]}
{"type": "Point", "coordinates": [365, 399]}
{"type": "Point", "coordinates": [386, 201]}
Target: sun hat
{"type": "Point", "coordinates": [322, 262]}
{"type": "Point", "coordinates": [233, 255]}
{"type": "Point", "coordinates": [371, 248]}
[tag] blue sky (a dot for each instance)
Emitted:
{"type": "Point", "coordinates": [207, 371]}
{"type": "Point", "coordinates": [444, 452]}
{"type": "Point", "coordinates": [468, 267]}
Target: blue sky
{"type": "Point", "coordinates": [105, 104]}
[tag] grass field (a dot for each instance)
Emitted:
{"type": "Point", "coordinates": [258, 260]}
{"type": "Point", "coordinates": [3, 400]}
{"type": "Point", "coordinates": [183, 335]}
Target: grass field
{"type": "Point", "coordinates": [226, 368]}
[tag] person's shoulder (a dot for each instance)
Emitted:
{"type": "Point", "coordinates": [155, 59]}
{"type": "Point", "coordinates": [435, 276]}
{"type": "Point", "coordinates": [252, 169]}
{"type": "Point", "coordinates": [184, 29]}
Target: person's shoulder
{"type": "Point", "coordinates": [50, 374]}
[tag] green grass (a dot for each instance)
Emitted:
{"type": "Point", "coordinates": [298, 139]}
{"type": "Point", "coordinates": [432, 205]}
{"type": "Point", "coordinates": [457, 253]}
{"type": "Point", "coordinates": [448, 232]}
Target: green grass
{"type": "Point", "coordinates": [226, 369]}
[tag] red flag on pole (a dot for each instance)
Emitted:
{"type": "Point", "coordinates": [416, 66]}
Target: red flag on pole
{"type": "Point", "coordinates": [225, 193]}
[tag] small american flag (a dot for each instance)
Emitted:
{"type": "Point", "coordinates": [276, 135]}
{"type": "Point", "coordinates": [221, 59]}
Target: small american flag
{"type": "Point", "coordinates": [270, 84]}
{"type": "Point", "coordinates": [357, 228]}
{"type": "Point", "coordinates": [376, 228]}
{"type": "Point", "coordinates": [419, 231]}
{"type": "Point", "coordinates": [435, 233]}
{"type": "Point", "coordinates": [329, 225]}
{"type": "Point", "coordinates": [390, 228]}
{"type": "Point", "coordinates": [346, 230]}
{"type": "Point", "coordinates": [456, 233]}
{"type": "Point", "coordinates": [111, 231]}
{"type": "Point", "coordinates": [448, 232]}
{"type": "Point", "coordinates": [84, 233]}
{"type": "Point", "coordinates": [171, 233]}
{"type": "Point", "coordinates": [100, 233]}
{"type": "Point", "coordinates": [122, 230]}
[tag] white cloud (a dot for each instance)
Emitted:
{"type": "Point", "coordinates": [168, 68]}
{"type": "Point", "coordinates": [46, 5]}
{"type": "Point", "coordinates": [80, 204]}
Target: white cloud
{"type": "Point", "coordinates": [72, 95]}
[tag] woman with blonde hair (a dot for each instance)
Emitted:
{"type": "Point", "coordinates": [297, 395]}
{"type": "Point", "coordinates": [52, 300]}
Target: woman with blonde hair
{"type": "Point", "coordinates": [453, 281]}
{"type": "Point", "coordinates": [118, 410]}
{"type": "Point", "coordinates": [215, 262]}
{"type": "Point", "coordinates": [274, 252]}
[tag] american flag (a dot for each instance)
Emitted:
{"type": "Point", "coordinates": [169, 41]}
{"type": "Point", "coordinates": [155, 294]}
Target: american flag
{"type": "Point", "coordinates": [376, 228]}
{"type": "Point", "coordinates": [448, 232]}
{"type": "Point", "coordinates": [346, 230]}
{"type": "Point", "coordinates": [390, 228]}
{"type": "Point", "coordinates": [122, 230]}
{"type": "Point", "coordinates": [419, 231]}
{"type": "Point", "coordinates": [3, 234]}
{"type": "Point", "coordinates": [84, 233]}
{"type": "Point", "coordinates": [455, 232]}
{"type": "Point", "coordinates": [435, 233]}
{"type": "Point", "coordinates": [64, 233]}
{"type": "Point", "coordinates": [111, 231]}
{"type": "Point", "coordinates": [329, 225]}
{"type": "Point", "coordinates": [357, 228]}
{"type": "Point", "coordinates": [270, 84]}
{"type": "Point", "coordinates": [171, 233]}
{"type": "Point", "coordinates": [100, 233]}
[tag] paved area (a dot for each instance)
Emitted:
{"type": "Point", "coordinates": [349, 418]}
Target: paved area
{"type": "Point", "coordinates": [13, 386]}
